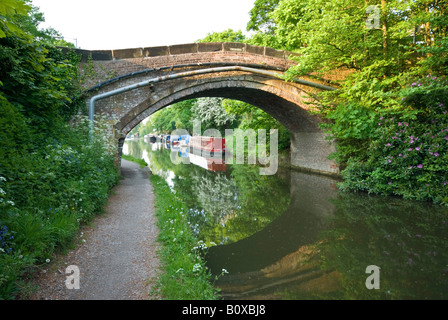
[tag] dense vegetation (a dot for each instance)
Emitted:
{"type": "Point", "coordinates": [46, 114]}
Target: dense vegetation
{"type": "Point", "coordinates": [397, 56]}
{"type": "Point", "coordinates": [389, 115]}
{"type": "Point", "coordinates": [185, 275]}
{"type": "Point", "coordinates": [52, 177]}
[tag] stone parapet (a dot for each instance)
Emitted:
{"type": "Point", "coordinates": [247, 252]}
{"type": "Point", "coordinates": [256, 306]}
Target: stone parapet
{"type": "Point", "coordinates": [105, 55]}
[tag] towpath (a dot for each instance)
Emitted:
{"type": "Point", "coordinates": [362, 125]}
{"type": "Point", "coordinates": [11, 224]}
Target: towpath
{"type": "Point", "coordinates": [117, 257]}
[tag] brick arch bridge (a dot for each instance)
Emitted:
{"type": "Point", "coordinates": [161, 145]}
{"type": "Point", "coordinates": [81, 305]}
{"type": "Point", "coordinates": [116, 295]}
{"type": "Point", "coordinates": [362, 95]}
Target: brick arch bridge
{"type": "Point", "coordinates": [128, 85]}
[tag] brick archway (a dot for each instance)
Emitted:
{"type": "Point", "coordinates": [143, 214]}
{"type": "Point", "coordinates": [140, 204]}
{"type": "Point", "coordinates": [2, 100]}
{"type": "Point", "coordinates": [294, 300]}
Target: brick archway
{"type": "Point", "coordinates": [286, 101]}
{"type": "Point", "coordinates": [270, 95]}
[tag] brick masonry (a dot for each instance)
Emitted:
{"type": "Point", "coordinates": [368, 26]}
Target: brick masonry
{"type": "Point", "coordinates": [107, 70]}
{"type": "Point", "coordinates": [116, 63]}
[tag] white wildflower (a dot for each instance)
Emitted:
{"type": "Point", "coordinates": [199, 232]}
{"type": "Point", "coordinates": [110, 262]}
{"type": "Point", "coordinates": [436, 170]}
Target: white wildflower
{"type": "Point", "coordinates": [197, 267]}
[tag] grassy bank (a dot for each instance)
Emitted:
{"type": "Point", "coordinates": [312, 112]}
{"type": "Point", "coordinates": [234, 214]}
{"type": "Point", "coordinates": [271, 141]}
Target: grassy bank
{"type": "Point", "coordinates": [141, 162]}
{"type": "Point", "coordinates": [184, 274]}
{"type": "Point", "coordinates": [45, 196]}
{"type": "Point", "coordinates": [53, 178]}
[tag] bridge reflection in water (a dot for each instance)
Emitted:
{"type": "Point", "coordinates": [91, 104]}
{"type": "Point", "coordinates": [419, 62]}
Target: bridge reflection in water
{"type": "Point", "coordinates": [283, 252]}
{"type": "Point", "coordinates": [295, 236]}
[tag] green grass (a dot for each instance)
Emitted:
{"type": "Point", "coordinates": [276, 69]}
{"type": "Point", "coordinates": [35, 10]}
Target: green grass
{"type": "Point", "coordinates": [184, 274]}
{"type": "Point", "coordinates": [141, 162]}
{"type": "Point", "coordinates": [45, 196]}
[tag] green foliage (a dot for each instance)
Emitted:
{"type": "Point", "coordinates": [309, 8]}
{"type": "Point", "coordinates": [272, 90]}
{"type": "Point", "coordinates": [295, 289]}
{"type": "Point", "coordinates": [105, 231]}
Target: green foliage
{"type": "Point", "coordinates": [263, 24]}
{"type": "Point", "coordinates": [287, 17]}
{"type": "Point", "coordinates": [409, 158]}
{"type": "Point", "coordinates": [185, 276]}
{"type": "Point", "coordinates": [251, 117]}
{"type": "Point", "coordinates": [52, 176]}
{"type": "Point", "coordinates": [210, 112]}
{"type": "Point", "coordinates": [9, 11]}
{"type": "Point", "coordinates": [141, 162]}
{"type": "Point", "coordinates": [430, 19]}
{"type": "Point", "coordinates": [260, 19]}
{"type": "Point", "coordinates": [177, 116]}
{"type": "Point", "coordinates": [38, 80]}
{"type": "Point", "coordinates": [228, 35]}
{"type": "Point", "coordinates": [353, 127]}
{"type": "Point", "coordinates": [46, 194]}
{"type": "Point", "coordinates": [410, 41]}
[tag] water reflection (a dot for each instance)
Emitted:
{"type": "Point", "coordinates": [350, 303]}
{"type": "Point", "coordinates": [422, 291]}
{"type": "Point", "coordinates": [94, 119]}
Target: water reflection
{"type": "Point", "coordinates": [408, 240]}
{"type": "Point", "coordinates": [226, 203]}
{"type": "Point", "coordinates": [294, 236]}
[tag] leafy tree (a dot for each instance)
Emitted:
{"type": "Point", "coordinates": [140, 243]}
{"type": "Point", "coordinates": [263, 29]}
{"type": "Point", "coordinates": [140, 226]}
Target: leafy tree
{"type": "Point", "coordinates": [382, 62]}
{"type": "Point", "coordinates": [285, 16]}
{"type": "Point", "coordinates": [260, 19]}
{"type": "Point", "coordinates": [164, 121]}
{"type": "Point", "coordinates": [211, 114]}
{"type": "Point", "coordinates": [254, 118]}
{"type": "Point", "coordinates": [10, 10]}
{"type": "Point", "coordinates": [430, 22]}
{"type": "Point", "coordinates": [395, 80]}
{"type": "Point", "coordinates": [228, 35]}
{"type": "Point", "coordinates": [263, 24]}
{"type": "Point", "coordinates": [35, 76]}
{"type": "Point", "coordinates": [177, 116]}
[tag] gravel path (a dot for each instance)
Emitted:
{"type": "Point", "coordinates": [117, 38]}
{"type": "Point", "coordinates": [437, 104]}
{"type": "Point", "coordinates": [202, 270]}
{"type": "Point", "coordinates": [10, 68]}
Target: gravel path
{"type": "Point", "coordinates": [117, 260]}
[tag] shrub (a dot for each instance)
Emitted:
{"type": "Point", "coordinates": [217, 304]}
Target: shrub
{"type": "Point", "coordinates": [52, 176]}
{"type": "Point", "coordinates": [46, 194]}
{"type": "Point", "coordinates": [411, 155]}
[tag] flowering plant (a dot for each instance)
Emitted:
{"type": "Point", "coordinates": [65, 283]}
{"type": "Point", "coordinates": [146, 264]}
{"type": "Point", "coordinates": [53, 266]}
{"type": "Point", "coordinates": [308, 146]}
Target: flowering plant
{"type": "Point", "coordinates": [411, 155]}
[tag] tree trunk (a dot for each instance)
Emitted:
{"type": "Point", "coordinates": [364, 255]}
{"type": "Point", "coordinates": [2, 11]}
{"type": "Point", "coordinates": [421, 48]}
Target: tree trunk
{"type": "Point", "coordinates": [427, 28]}
{"type": "Point", "coordinates": [384, 26]}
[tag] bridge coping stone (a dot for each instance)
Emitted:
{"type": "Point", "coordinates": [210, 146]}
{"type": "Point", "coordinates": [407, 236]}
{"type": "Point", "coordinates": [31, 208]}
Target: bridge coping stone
{"type": "Point", "coordinates": [121, 54]}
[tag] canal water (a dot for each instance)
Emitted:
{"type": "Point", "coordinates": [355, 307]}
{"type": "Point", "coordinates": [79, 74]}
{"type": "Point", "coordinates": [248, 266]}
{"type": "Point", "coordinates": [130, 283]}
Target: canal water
{"type": "Point", "coordinates": [293, 235]}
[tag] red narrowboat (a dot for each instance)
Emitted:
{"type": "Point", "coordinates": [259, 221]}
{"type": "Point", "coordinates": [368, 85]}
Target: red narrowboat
{"type": "Point", "coordinates": [209, 144]}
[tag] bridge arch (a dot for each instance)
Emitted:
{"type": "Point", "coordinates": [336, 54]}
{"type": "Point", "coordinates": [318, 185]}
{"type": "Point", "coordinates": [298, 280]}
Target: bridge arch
{"type": "Point", "coordinates": [270, 95]}
{"type": "Point", "coordinates": [255, 83]}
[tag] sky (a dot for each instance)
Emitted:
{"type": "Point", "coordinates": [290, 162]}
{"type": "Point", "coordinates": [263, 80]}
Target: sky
{"type": "Point", "coordinates": [112, 24]}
